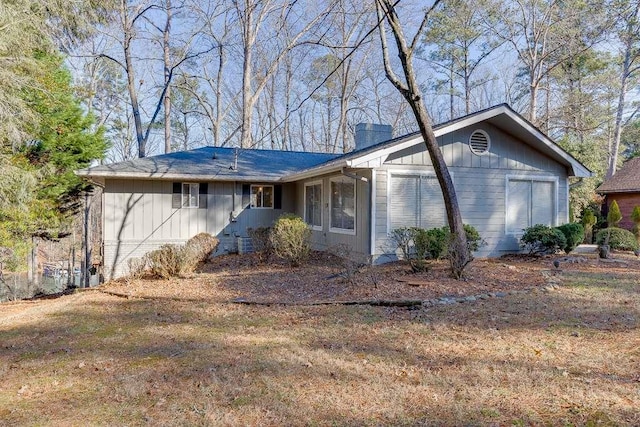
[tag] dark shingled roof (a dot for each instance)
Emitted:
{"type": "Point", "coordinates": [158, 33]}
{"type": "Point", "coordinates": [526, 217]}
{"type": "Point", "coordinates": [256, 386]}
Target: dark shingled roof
{"type": "Point", "coordinates": [626, 180]}
{"type": "Point", "coordinates": [213, 163]}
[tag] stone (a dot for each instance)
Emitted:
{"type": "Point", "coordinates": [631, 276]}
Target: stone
{"type": "Point", "coordinates": [501, 294]}
{"type": "Point", "coordinates": [470, 298]}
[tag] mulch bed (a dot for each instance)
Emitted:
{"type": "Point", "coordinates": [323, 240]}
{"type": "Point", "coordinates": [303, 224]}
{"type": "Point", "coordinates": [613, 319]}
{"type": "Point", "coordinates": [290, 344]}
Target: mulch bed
{"type": "Point", "coordinates": [244, 278]}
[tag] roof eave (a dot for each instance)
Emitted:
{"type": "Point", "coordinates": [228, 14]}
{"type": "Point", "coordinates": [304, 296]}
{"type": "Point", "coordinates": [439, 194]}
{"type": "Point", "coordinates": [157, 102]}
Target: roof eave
{"type": "Point", "coordinates": [174, 176]}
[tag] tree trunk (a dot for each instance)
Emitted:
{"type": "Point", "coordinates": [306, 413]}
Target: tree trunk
{"type": "Point", "coordinates": [459, 255]}
{"type": "Point", "coordinates": [617, 131]}
{"type": "Point", "coordinates": [167, 75]}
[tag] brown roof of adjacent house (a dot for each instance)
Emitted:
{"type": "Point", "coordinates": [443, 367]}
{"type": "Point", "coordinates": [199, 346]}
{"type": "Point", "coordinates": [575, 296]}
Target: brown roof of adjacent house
{"type": "Point", "coordinates": [626, 180]}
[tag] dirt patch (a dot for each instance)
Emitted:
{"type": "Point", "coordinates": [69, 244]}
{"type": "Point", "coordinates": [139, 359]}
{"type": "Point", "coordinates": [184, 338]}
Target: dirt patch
{"type": "Point", "coordinates": [323, 278]}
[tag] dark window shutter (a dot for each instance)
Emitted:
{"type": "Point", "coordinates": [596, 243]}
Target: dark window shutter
{"type": "Point", "coordinates": [202, 195]}
{"type": "Point", "coordinates": [176, 199]}
{"type": "Point", "coordinates": [277, 196]}
{"type": "Point", "coordinates": [246, 196]}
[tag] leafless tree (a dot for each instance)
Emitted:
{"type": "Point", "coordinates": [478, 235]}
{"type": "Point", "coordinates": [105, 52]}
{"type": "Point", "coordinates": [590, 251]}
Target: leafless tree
{"type": "Point", "coordinates": [410, 89]}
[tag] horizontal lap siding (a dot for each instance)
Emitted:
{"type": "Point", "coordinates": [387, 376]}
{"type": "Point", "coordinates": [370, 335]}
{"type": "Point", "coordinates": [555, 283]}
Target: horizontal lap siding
{"type": "Point", "coordinates": [480, 183]}
{"type": "Point", "coordinates": [138, 218]}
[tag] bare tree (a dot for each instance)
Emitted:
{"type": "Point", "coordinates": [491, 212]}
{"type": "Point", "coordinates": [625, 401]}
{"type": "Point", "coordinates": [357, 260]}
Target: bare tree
{"type": "Point", "coordinates": [629, 37]}
{"type": "Point", "coordinates": [410, 90]}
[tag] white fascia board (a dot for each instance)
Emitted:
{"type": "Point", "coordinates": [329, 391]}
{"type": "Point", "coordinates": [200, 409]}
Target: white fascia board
{"type": "Point", "coordinates": [172, 176]}
{"type": "Point", "coordinates": [314, 172]}
{"type": "Point", "coordinates": [578, 170]}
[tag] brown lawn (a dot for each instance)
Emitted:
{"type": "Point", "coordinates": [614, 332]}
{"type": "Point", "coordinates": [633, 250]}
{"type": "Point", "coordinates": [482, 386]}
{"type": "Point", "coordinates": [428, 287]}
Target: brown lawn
{"type": "Point", "coordinates": [181, 352]}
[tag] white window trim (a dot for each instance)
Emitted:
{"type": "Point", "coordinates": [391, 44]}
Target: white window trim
{"type": "Point", "coordinates": [405, 172]}
{"type": "Point", "coordinates": [311, 184]}
{"type": "Point", "coordinates": [197, 205]}
{"type": "Point", "coordinates": [273, 196]}
{"type": "Point", "coordinates": [342, 178]}
{"type": "Point", "coordinates": [486, 135]}
{"type": "Point", "coordinates": [544, 178]}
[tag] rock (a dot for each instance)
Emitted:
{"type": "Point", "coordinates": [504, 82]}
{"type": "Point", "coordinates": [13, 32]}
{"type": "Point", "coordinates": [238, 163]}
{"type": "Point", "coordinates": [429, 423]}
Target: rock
{"type": "Point", "coordinates": [501, 294]}
{"type": "Point", "coordinates": [470, 298]}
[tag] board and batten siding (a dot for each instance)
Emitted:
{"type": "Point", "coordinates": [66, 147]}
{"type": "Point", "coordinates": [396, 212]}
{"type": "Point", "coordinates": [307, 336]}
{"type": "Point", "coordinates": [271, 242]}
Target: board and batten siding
{"type": "Point", "coordinates": [480, 182]}
{"type": "Point", "coordinates": [139, 217]}
{"type": "Point", "coordinates": [359, 243]}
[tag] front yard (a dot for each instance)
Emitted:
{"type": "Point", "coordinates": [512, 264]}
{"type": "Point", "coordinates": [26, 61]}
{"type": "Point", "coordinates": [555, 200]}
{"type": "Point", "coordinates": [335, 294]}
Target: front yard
{"type": "Point", "coordinates": [183, 352]}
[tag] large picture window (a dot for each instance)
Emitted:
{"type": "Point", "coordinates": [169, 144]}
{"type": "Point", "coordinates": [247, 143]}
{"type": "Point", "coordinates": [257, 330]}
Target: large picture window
{"type": "Point", "coordinates": [262, 196]}
{"type": "Point", "coordinates": [530, 201]}
{"type": "Point", "coordinates": [313, 205]}
{"type": "Point", "coordinates": [190, 192]}
{"type": "Point", "coordinates": [343, 205]}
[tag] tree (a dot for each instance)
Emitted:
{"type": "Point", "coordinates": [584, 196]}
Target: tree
{"type": "Point", "coordinates": [461, 45]}
{"type": "Point", "coordinates": [459, 255]}
{"type": "Point", "coordinates": [614, 216]}
{"type": "Point", "coordinates": [544, 34]}
{"type": "Point", "coordinates": [628, 35]}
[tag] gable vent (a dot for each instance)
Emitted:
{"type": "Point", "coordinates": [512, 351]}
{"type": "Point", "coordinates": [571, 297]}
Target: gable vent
{"type": "Point", "coordinates": [479, 142]}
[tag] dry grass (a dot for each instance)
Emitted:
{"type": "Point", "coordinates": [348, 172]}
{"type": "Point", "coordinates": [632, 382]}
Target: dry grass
{"type": "Point", "coordinates": [570, 356]}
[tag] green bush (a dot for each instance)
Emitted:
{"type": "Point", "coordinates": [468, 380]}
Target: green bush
{"type": "Point", "coordinates": [619, 239]}
{"type": "Point", "coordinates": [291, 239]}
{"type": "Point", "coordinates": [573, 234]}
{"type": "Point", "coordinates": [542, 239]}
{"type": "Point", "coordinates": [431, 243]}
{"type": "Point", "coordinates": [474, 240]}
{"type": "Point", "coordinates": [614, 216]}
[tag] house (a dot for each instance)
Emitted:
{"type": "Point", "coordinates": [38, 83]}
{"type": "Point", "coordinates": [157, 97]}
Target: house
{"type": "Point", "coordinates": [623, 187]}
{"type": "Point", "coordinates": [508, 175]}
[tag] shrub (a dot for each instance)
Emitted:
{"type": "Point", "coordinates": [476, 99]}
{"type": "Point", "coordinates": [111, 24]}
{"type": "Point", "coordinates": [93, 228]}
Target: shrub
{"type": "Point", "coordinates": [542, 239]}
{"type": "Point", "coordinates": [167, 261]}
{"type": "Point", "coordinates": [573, 234]}
{"type": "Point", "coordinates": [290, 239]}
{"type": "Point", "coordinates": [474, 240]}
{"type": "Point", "coordinates": [432, 243]}
{"type": "Point", "coordinates": [614, 216]}
{"type": "Point", "coordinates": [619, 239]}
{"type": "Point", "coordinates": [200, 248]}
{"type": "Point", "coordinates": [635, 217]}
{"type": "Point", "coordinates": [402, 238]}
{"type": "Point", "coordinates": [588, 221]}
{"type": "Point", "coordinates": [177, 260]}
{"type": "Point", "coordinates": [261, 241]}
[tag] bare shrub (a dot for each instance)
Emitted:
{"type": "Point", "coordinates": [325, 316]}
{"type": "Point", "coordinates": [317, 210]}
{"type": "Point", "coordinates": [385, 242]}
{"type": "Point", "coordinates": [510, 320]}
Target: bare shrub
{"type": "Point", "coordinates": [348, 266]}
{"type": "Point", "coordinates": [402, 238]}
{"type": "Point", "coordinates": [200, 247]}
{"type": "Point", "coordinates": [137, 268]}
{"type": "Point", "coordinates": [291, 239]}
{"type": "Point", "coordinates": [167, 261]}
{"type": "Point", "coordinates": [261, 241]}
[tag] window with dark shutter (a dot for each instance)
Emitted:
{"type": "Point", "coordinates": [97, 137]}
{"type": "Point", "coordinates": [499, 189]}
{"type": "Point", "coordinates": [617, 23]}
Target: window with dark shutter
{"type": "Point", "coordinates": [277, 197]}
{"type": "Point", "coordinates": [176, 197]}
{"type": "Point", "coordinates": [203, 193]}
{"type": "Point", "coordinates": [246, 196]}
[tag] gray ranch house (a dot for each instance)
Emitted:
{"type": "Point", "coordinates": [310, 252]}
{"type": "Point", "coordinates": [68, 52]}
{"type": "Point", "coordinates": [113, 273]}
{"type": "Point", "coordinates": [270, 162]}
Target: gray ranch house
{"type": "Point", "coordinates": [507, 174]}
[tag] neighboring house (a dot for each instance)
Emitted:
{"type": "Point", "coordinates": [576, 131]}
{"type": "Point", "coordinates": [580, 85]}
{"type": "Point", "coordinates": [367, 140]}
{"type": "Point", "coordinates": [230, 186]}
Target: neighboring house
{"type": "Point", "coordinates": [623, 187]}
{"type": "Point", "coordinates": [508, 176]}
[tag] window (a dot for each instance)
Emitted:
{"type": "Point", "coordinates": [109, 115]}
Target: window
{"type": "Point", "coordinates": [415, 200]}
{"type": "Point", "coordinates": [530, 201]}
{"type": "Point", "coordinates": [479, 142]}
{"type": "Point", "coordinates": [313, 205]}
{"type": "Point", "coordinates": [343, 205]}
{"type": "Point", "coordinates": [262, 196]}
{"type": "Point", "coordinates": [190, 192]}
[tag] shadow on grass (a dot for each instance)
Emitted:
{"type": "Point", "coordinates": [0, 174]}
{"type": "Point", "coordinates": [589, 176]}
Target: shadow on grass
{"type": "Point", "coordinates": [112, 360]}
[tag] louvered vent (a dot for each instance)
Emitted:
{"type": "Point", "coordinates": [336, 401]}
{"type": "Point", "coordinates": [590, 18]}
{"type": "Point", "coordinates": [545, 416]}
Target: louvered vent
{"type": "Point", "coordinates": [479, 142]}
